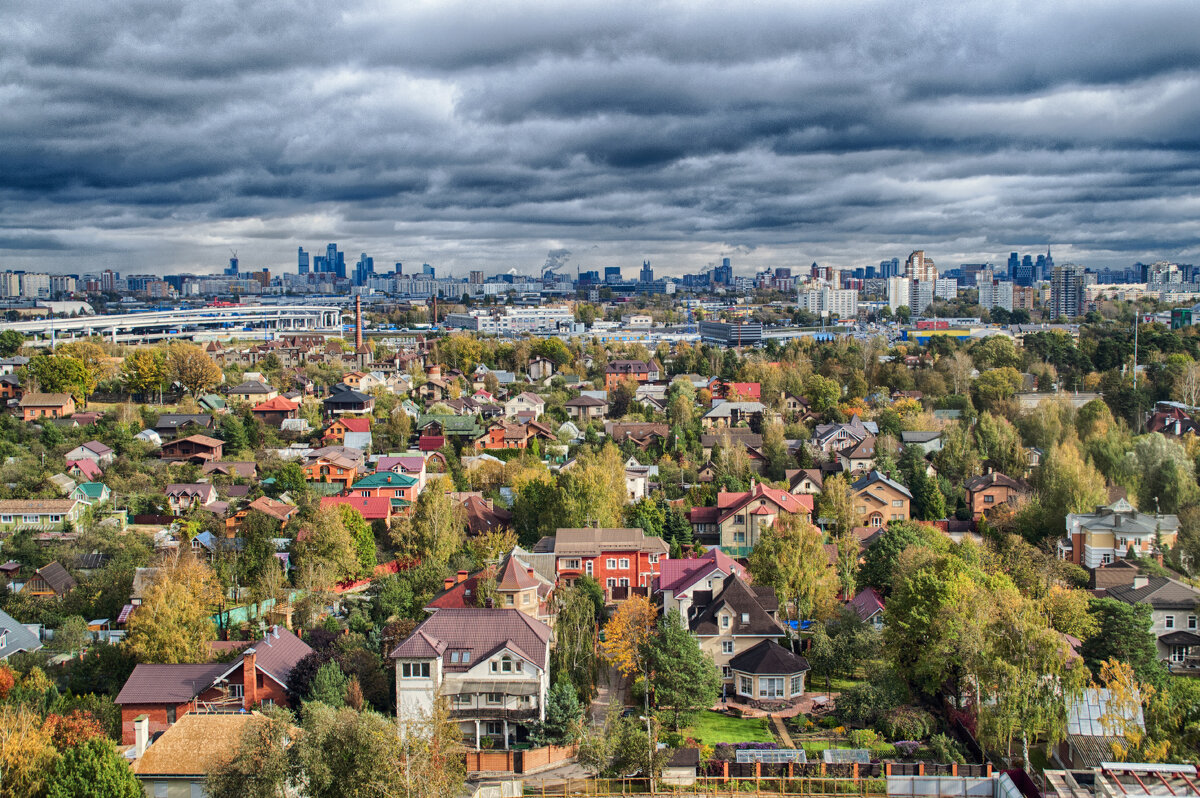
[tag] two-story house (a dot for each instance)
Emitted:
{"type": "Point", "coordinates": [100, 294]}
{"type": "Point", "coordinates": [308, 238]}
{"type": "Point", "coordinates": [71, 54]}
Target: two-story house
{"type": "Point", "coordinates": [97, 452]}
{"type": "Point", "coordinates": [386, 483]}
{"type": "Point", "coordinates": [348, 402]}
{"type": "Point", "coordinates": [879, 500]}
{"type": "Point", "coordinates": [989, 491]}
{"type": "Point", "coordinates": [335, 431]}
{"type": "Point", "coordinates": [739, 518]}
{"type": "Point", "coordinates": [1097, 538]}
{"type": "Point", "coordinates": [829, 438]}
{"type": "Point", "coordinates": [729, 414]}
{"type": "Point", "coordinates": [275, 411]}
{"type": "Point", "coordinates": [251, 391]}
{"type": "Point", "coordinates": [334, 464]}
{"type": "Point", "coordinates": [680, 579]}
{"type": "Point", "coordinates": [192, 449]}
{"type": "Point", "coordinates": [586, 408]}
{"type": "Point", "coordinates": [623, 561]}
{"type": "Point", "coordinates": [806, 481]}
{"type": "Point", "coordinates": [184, 497]}
{"type": "Point", "coordinates": [492, 668]}
{"type": "Point", "coordinates": [413, 466]}
{"type": "Point", "coordinates": [519, 586]}
{"type": "Point", "coordinates": [1175, 608]}
{"type": "Point", "coordinates": [619, 370]}
{"type": "Point", "coordinates": [173, 425]}
{"type": "Point", "coordinates": [525, 402]}
{"type": "Point", "coordinates": [733, 617]}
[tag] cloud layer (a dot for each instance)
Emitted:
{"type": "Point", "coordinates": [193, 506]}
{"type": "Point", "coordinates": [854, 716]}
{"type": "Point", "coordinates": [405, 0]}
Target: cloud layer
{"type": "Point", "coordinates": [155, 136]}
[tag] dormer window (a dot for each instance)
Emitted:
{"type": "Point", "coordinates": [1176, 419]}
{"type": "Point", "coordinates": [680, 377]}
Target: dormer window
{"type": "Point", "coordinates": [745, 617]}
{"type": "Point", "coordinates": [454, 657]}
{"type": "Point", "coordinates": [724, 621]}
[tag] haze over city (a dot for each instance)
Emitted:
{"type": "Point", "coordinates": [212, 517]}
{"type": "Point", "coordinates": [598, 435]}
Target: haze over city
{"type": "Point", "coordinates": [157, 137]}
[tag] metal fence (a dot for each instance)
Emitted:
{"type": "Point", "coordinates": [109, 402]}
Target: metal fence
{"type": "Point", "coordinates": [715, 787]}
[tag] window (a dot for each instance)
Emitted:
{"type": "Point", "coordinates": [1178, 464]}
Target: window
{"type": "Point", "coordinates": [877, 520]}
{"type": "Point", "coordinates": [726, 646]}
{"type": "Point", "coordinates": [899, 502]}
{"type": "Point", "coordinates": [726, 672]}
{"type": "Point", "coordinates": [495, 728]}
{"type": "Point", "coordinates": [460, 699]}
{"type": "Point", "coordinates": [453, 657]}
{"type": "Point", "coordinates": [1105, 559]}
{"type": "Point", "coordinates": [739, 537]}
{"type": "Point", "coordinates": [745, 685]}
{"type": "Point", "coordinates": [588, 567]}
{"type": "Point", "coordinates": [1191, 622]}
{"type": "Point", "coordinates": [862, 508]}
{"type": "Point", "coordinates": [570, 565]}
{"type": "Point", "coordinates": [1169, 622]}
{"type": "Point", "coordinates": [624, 563]}
{"type": "Point", "coordinates": [508, 599]}
{"type": "Point", "coordinates": [611, 563]}
{"type": "Point", "coordinates": [987, 499]}
{"type": "Point", "coordinates": [797, 685]}
{"type": "Point", "coordinates": [506, 665]}
{"type": "Point", "coordinates": [1178, 653]}
{"type": "Point", "coordinates": [6, 519]}
{"type": "Point", "coordinates": [197, 790]}
{"type": "Point", "coordinates": [739, 519]}
{"type": "Point", "coordinates": [524, 598]}
{"type": "Point", "coordinates": [170, 714]}
{"type": "Point", "coordinates": [414, 670]}
{"type": "Point", "coordinates": [610, 582]}
{"type": "Point", "coordinates": [654, 559]}
{"type": "Point", "coordinates": [770, 687]}
{"type": "Point", "coordinates": [724, 621]}
{"type": "Point", "coordinates": [268, 702]}
{"type": "Point", "coordinates": [237, 690]}
{"type": "Point", "coordinates": [493, 698]}
{"type": "Point", "coordinates": [466, 657]}
{"type": "Point", "coordinates": [623, 582]}
{"type": "Point", "coordinates": [745, 617]}
{"type": "Point", "coordinates": [160, 789]}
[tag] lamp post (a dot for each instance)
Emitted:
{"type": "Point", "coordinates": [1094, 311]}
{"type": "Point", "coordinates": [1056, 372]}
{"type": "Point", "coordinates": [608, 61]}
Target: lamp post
{"type": "Point", "coordinates": [650, 752]}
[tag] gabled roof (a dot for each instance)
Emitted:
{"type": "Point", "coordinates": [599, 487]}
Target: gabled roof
{"type": "Point", "coordinates": [192, 746]}
{"type": "Point", "coordinates": [199, 440]}
{"type": "Point", "coordinates": [244, 469]}
{"type": "Point", "coordinates": [409, 465]}
{"type": "Point", "coordinates": [992, 480]}
{"type": "Point", "coordinates": [627, 367]}
{"type": "Point", "coordinates": [730, 503]}
{"type": "Point", "coordinates": [204, 491]}
{"type": "Point", "coordinates": [88, 468]}
{"type": "Point", "coordinates": [863, 450]}
{"type": "Point", "coordinates": [1160, 593]}
{"type": "Point", "coordinates": [251, 387]}
{"type": "Point", "coordinates": [866, 604]}
{"type": "Point", "coordinates": [737, 598]}
{"type": "Point", "coordinates": [168, 684]}
{"type": "Point", "coordinates": [93, 490]}
{"type": "Point", "coordinates": [174, 420]}
{"type": "Point", "coordinates": [56, 577]}
{"type": "Point", "coordinates": [480, 632]}
{"type": "Point", "coordinates": [585, 401]}
{"type": "Point", "coordinates": [726, 409]}
{"type": "Point", "coordinates": [278, 510]}
{"type": "Point", "coordinates": [483, 516]}
{"type": "Point", "coordinates": [353, 424]}
{"type": "Point", "coordinates": [276, 405]}
{"type": "Point", "coordinates": [45, 399]}
{"type": "Point", "coordinates": [371, 508]}
{"type": "Point", "coordinates": [96, 447]}
{"type": "Point", "coordinates": [348, 398]}
{"type": "Point", "coordinates": [16, 637]}
{"type": "Point", "coordinates": [874, 477]}
{"type": "Point", "coordinates": [385, 479]}
{"type": "Point", "coordinates": [768, 658]}
{"type": "Point", "coordinates": [798, 475]}
{"type": "Point", "coordinates": [679, 575]}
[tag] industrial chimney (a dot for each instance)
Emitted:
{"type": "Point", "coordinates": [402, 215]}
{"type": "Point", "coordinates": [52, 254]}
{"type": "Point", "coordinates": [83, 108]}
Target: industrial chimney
{"type": "Point", "coordinates": [358, 342]}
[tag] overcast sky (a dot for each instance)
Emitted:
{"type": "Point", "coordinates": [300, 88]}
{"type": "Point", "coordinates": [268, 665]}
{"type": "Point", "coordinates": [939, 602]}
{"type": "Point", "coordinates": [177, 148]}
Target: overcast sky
{"type": "Point", "coordinates": [156, 135]}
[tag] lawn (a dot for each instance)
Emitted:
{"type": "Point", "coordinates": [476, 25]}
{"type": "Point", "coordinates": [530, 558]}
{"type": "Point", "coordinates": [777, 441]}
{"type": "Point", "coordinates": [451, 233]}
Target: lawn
{"type": "Point", "coordinates": [713, 727]}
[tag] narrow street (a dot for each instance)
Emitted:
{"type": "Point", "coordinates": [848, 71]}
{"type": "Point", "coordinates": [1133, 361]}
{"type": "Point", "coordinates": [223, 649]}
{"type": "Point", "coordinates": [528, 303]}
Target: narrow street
{"type": "Point", "coordinates": [611, 688]}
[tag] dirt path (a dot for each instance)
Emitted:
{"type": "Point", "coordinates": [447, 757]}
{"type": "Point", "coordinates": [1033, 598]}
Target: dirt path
{"type": "Point", "coordinates": [781, 732]}
{"type": "Point", "coordinates": [611, 689]}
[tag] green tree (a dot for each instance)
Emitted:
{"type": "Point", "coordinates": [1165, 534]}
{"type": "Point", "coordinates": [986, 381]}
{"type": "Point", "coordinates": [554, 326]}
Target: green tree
{"type": "Point", "coordinates": [329, 685]}
{"type": "Point", "coordinates": [191, 367]}
{"type": "Point", "coordinates": [325, 549]}
{"type": "Point", "coordinates": [790, 557]}
{"type": "Point", "coordinates": [823, 393]}
{"type": "Point", "coordinates": [684, 679]}
{"type": "Point", "coordinates": [92, 769]}
{"type": "Point", "coordinates": [837, 503]}
{"type": "Point", "coordinates": [144, 371]}
{"type": "Point", "coordinates": [574, 653]}
{"type": "Point", "coordinates": [11, 342]}
{"type": "Point", "coordinates": [436, 529]}
{"type": "Point", "coordinates": [174, 622]}
{"type": "Point", "coordinates": [72, 636]}
{"type": "Point", "coordinates": [880, 559]}
{"type": "Point", "coordinates": [363, 537]}
{"type": "Point", "coordinates": [995, 387]}
{"type": "Point", "coordinates": [61, 374]}
{"type": "Point", "coordinates": [564, 717]}
{"type": "Point", "coordinates": [1123, 632]}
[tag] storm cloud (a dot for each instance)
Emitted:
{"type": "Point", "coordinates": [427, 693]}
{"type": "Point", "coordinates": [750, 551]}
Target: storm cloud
{"type": "Point", "coordinates": [155, 136]}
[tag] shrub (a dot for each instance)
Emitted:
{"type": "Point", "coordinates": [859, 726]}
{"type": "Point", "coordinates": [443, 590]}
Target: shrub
{"type": "Point", "coordinates": [907, 723]}
{"type": "Point", "coordinates": [906, 748]}
{"type": "Point", "coordinates": [863, 738]}
{"type": "Point", "coordinates": [945, 749]}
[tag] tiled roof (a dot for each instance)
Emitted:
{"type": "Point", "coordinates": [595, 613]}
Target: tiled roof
{"type": "Point", "coordinates": [168, 684]}
{"type": "Point", "coordinates": [679, 575]}
{"type": "Point", "coordinates": [371, 508]}
{"type": "Point", "coordinates": [994, 479]}
{"type": "Point", "coordinates": [278, 652]}
{"type": "Point", "coordinates": [585, 401]}
{"type": "Point", "coordinates": [16, 637]}
{"type": "Point", "coordinates": [590, 541]}
{"type": "Point", "coordinates": [356, 424]}
{"type": "Point", "coordinates": [867, 480]}
{"type": "Point", "coordinates": [739, 598]}
{"type": "Point", "coordinates": [481, 632]}
{"type": "Point", "coordinates": [1159, 592]}
{"type": "Point", "coordinates": [276, 509]}
{"type": "Point", "coordinates": [866, 604]}
{"type": "Point", "coordinates": [382, 479]}
{"type": "Point", "coordinates": [770, 659]}
{"type": "Point", "coordinates": [199, 440]}
{"type": "Point", "coordinates": [276, 405]}
{"type": "Point", "coordinates": [39, 506]}
{"type": "Point", "coordinates": [411, 465]}
{"type": "Point", "coordinates": [45, 399]}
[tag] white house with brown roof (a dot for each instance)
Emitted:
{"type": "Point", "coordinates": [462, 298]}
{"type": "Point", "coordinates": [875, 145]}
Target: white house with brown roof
{"type": "Point", "coordinates": [492, 667]}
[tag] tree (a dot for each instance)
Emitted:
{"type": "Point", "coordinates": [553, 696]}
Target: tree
{"type": "Point", "coordinates": [564, 717]}
{"type": "Point", "coordinates": [72, 636]}
{"type": "Point", "coordinates": [621, 397]}
{"type": "Point", "coordinates": [928, 502]}
{"type": "Point", "coordinates": [790, 557]}
{"type": "Point", "coordinates": [174, 622]}
{"type": "Point", "coordinates": [593, 490]}
{"type": "Point", "coordinates": [1067, 484]}
{"type": "Point", "coordinates": [958, 368]}
{"type": "Point", "coordinates": [996, 386]}
{"type": "Point", "coordinates": [626, 633]}
{"type": "Point", "coordinates": [1124, 633]}
{"type": "Point", "coordinates": [93, 769]}
{"type": "Point", "coordinates": [837, 504]}
{"type": "Point", "coordinates": [343, 753]}
{"type": "Point", "coordinates": [685, 680]}
{"type": "Point", "coordinates": [11, 342]}
{"type": "Point", "coordinates": [574, 653]}
{"type": "Point", "coordinates": [1187, 384]}
{"type": "Point", "coordinates": [362, 536]}
{"type": "Point", "coordinates": [61, 374]}
{"type": "Point", "coordinates": [259, 764]}
{"type": "Point", "coordinates": [436, 529]}
{"type": "Point", "coordinates": [26, 752]}
{"type": "Point", "coordinates": [325, 547]}
{"type": "Point", "coordinates": [329, 685]}
{"type": "Point", "coordinates": [823, 393]}
{"type": "Point", "coordinates": [144, 371]}
{"type": "Point", "coordinates": [191, 367]}
{"type": "Point", "coordinates": [492, 545]}
{"type": "Point", "coordinates": [1067, 611]}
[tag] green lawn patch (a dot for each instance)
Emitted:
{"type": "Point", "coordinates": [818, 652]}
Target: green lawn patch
{"type": "Point", "coordinates": [711, 728]}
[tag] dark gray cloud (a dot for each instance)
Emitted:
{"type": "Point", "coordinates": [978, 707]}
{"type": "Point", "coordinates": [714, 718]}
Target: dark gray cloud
{"type": "Point", "coordinates": [156, 135]}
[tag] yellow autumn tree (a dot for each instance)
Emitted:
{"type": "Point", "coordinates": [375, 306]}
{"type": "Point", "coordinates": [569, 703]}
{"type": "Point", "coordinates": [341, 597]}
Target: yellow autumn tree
{"type": "Point", "coordinates": [174, 622]}
{"type": "Point", "coordinates": [626, 633]}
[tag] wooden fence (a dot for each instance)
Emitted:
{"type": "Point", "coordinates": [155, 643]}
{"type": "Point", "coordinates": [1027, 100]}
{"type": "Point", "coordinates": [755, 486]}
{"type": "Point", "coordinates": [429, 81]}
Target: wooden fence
{"type": "Point", "coordinates": [529, 760]}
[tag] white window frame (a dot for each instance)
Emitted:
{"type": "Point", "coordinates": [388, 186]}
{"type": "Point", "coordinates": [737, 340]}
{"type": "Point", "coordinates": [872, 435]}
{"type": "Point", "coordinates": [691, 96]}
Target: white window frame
{"type": "Point", "coordinates": [611, 563]}
{"type": "Point", "coordinates": [745, 686]}
{"type": "Point", "coordinates": [797, 685]}
{"type": "Point", "coordinates": [624, 564]}
{"type": "Point", "coordinates": [1168, 621]}
{"type": "Point", "coordinates": [726, 646]}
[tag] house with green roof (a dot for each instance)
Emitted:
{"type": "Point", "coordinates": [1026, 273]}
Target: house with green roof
{"type": "Point", "coordinates": [91, 492]}
{"type": "Point", "coordinates": [386, 484]}
{"type": "Point", "coordinates": [466, 427]}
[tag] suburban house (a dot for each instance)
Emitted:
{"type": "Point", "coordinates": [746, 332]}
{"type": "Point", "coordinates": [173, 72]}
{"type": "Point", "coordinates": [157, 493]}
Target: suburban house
{"type": "Point", "coordinates": [879, 500]}
{"type": "Point", "coordinates": [1097, 538]}
{"type": "Point", "coordinates": [43, 515]}
{"type": "Point", "coordinates": [859, 458]}
{"type": "Point", "coordinates": [732, 618]}
{"type": "Point", "coordinates": [349, 402]}
{"type": "Point", "coordinates": [181, 498]}
{"type": "Point", "coordinates": [84, 469]}
{"type": "Point", "coordinates": [15, 637]}
{"type": "Point", "coordinates": [828, 438]}
{"type": "Point", "coordinates": [739, 518]}
{"type": "Point", "coordinates": [95, 451]}
{"type": "Point", "coordinates": [165, 693]}
{"type": "Point", "coordinates": [386, 483]}
{"type": "Point", "coordinates": [735, 391]}
{"type": "Point", "coordinates": [525, 402]}
{"type": "Point", "coordinates": [644, 434]}
{"type": "Point", "coordinates": [730, 414]}
{"type": "Point", "coordinates": [518, 587]}
{"type": "Point", "coordinates": [929, 441]}
{"type": "Point", "coordinates": [232, 468]}
{"type": "Point", "coordinates": [49, 580]}
{"type": "Point", "coordinates": [868, 606]}
{"type": "Point", "coordinates": [540, 368]}
{"type": "Point", "coordinates": [482, 516]}
{"type": "Point", "coordinates": [1174, 607]}
{"type": "Point", "coordinates": [434, 389]}
{"type": "Point", "coordinates": [619, 370]}
{"type": "Point", "coordinates": [336, 430]}
{"type": "Point", "coordinates": [768, 676]}
{"type": "Point", "coordinates": [623, 561]}
{"type": "Point", "coordinates": [491, 666]}
{"type": "Point", "coordinates": [728, 437]}
{"type": "Point", "coordinates": [805, 481]}
{"type": "Point", "coordinates": [681, 579]}
{"type": "Point", "coordinates": [91, 492]}
{"type": "Point", "coordinates": [10, 388]}
{"type": "Point", "coordinates": [280, 511]}
{"type": "Point", "coordinates": [251, 391]}
{"type": "Point", "coordinates": [989, 491]}
{"type": "Point", "coordinates": [413, 466]}
{"type": "Point", "coordinates": [192, 449]}
{"type": "Point", "coordinates": [275, 411]}
{"type": "Point", "coordinates": [172, 425]}
{"type": "Point", "coordinates": [1173, 419]}
{"type": "Point", "coordinates": [371, 508]}
{"type": "Point", "coordinates": [176, 764]}
{"type": "Point", "coordinates": [334, 464]}
{"type": "Point", "coordinates": [46, 405]}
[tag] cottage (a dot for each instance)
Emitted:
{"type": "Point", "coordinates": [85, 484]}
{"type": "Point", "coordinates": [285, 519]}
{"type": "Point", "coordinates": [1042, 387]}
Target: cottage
{"type": "Point", "coordinates": [623, 561]}
{"type": "Point", "coordinates": [184, 497]}
{"type": "Point", "coordinates": [35, 406]}
{"type": "Point", "coordinates": [349, 402]}
{"type": "Point", "coordinates": [275, 411]}
{"type": "Point", "coordinates": [49, 580]}
{"type": "Point", "coordinates": [525, 402]}
{"type": "Point", "coordinates": [192, 449]}
{"type": "Point", "coordinates": [989, 491]}
{"type": "Point", "coordinates": [251, 391]}
{"type": "Point", "coordinates": [172, 425]}
{"type": "Point", "coordinates": [176, 764]}
{"type": "Point", "coordinates": [232, 468]}
{"type": "Point", "coordinates": [768, 676]}
{"type": "Point", "coordinates": [733, 618]}
{"type": "Point", "coordinates": [638, 370]}
{"type": "Point", "coordinates": [95, 451]}
{"type": "Point", "coordinates": [15, 637]}
{"type": "Point", "coordinates": [1097, 538]}
{"type": "Point", "coordinates": [42, 515]}
{"type": "Point", "coordinates": [878, 500]}
{"type": "Point", "coordinates": [730, 414]}
{"type": "Point", "coordinates": [739, 518]}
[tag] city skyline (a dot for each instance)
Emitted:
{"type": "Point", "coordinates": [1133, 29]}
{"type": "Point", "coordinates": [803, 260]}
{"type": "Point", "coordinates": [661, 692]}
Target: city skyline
{"type": "Point", "coordinates": [608, 134]}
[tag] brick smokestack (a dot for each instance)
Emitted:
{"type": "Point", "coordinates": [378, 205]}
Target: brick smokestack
{"type": "Point", "coordinates": [357, 323]}
{"type": "Point", "coordinates": [249, 679]}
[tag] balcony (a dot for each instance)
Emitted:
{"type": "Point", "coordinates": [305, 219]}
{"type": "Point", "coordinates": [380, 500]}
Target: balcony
{"type": "Point", "coordinates": [493, 713]}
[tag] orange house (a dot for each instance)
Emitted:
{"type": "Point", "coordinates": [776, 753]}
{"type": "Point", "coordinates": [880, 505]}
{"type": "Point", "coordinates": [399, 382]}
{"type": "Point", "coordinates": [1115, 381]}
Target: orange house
{"type": "Point", "coordinates": [46, 405]}
{"type": "Point", "coordinates": [337, 430]}
{"type": "Point", "coordinates": [618, 370]}
{"type": "Point", "coordinates": [331, 468]}
{"type": "Point", "coordinates": [503, 436]}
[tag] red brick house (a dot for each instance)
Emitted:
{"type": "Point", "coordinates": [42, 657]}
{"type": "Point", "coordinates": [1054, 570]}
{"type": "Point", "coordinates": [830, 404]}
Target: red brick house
{"type": "Point", "coordinates": [337, 429]}
{"type": "Point", "coordinates": [621, 560]}
{"type": "Point", "coordinates": [989, 491]}
{"type": "Point", "coordinates": [618, 370]}
{"type": "Point", "coordinates": [192, 449]}
{"type": "Point", "coordinates": [46, 405]}
{"type": "Point", "coordinates": [164, 693]}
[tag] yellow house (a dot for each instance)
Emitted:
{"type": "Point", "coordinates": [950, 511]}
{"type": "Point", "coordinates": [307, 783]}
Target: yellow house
{"type": "Point", "coordinates": [879, 500]}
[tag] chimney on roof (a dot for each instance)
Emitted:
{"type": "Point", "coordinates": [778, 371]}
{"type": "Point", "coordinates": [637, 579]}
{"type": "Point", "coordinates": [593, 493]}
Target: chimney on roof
{"type": "Point", "coordinates": [141, 735]}
{"type": "Point", "coordinates": [529, 569]}
{"type": "Point", "coordinates": [462, 576]}
{"type": "Point", "coordinates": [249, 679]}
{"type": "Point", "coordinates": [1140, 581]}
{"type": "Point", "coordinates": [358, 342]}
{"type": "Point", "coordinates": [448, 583]}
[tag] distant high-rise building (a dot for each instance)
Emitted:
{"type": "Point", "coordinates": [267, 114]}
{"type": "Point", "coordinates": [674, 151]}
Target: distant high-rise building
{"type": "Point", "coordinates": [302, 261]}
{"type": "Point", "coordinates": [919, 267]}
{"type": "Point", "coordinates": [476, 277]}
{"type": "Point", "coordinates": [1066, 291]}
{"type": "Point", "coordinates": [399, 268]}
{"type": "Point", "coordinates": [723, 274]}
{"type": "Point", "coordinates": [1023, 274]}
{"type": "Point", "coordinates": [647, 275]}
{"type": "Point", "coordinates": [612, 274]}
{"type": "Point", "coordinates": [1014, 263]}
{"type": "Point", "coordinates": [898, 292]}
{"type": "Point", "coordinates": [364, 269]}
{"type": "Point", "coordinates": [1049, 265]}
{"type": "Point", "coordinates": [108, 280]}
{"type": "Point", "coordinates": [232, 270]}
{"type": "Point", "coordinates": [428, 271]}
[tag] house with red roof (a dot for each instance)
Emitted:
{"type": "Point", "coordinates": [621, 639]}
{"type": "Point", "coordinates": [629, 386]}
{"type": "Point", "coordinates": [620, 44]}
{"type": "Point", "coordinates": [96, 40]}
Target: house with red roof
{"type": "Point", "coordinates": [84, 470]}
{"type": "Point", "coordinates": [409, 466]}
{"type": "Point", "coordinates": [275, 411]}
{"type": "Point", "coordinates": [371, 508]}
{"type": "Point", "coordinates": [868, 606]}
{"type": "Point", "coordinates": [738, 519]}
{"type": "Point", "coordinates": [680, 580]}
{"type": "Point", "coordinates": [337, 429]}
{"type": "Point", "coordinates": [518, 587]}
{"type": "Point", "coordinates": [492, 666]}
{"type": "Point", "coordinates": [164, 693]}
{"type": "Point", "coordinates": [623, 561]}
{"type": "Point", "coordinates": [735, 391]}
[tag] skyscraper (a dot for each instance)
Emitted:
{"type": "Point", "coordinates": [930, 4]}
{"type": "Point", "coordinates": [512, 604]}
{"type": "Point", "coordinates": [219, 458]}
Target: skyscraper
{"type": "Point", "coordinates": [364, 269]}
{"type": "Point", "coordinates": [302, 261]}
{"type": "Point", "coordinates": [919, 267]}
{"type": "Point", "coordinates": [1066, 291]}
{"type": "Point", "coordinates": [1014, 262]}
{"type": "Point", "coordinates": [647, 272]}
